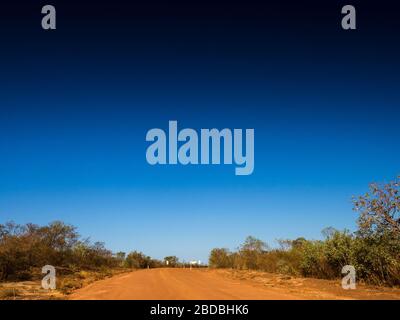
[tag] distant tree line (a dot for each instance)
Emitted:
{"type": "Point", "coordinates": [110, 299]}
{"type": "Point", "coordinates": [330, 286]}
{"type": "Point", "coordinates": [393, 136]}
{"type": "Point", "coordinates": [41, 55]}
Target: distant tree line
{"type": "Point", "coordinates": [374, 249]}
{"type": "Point", "coordinates": [24, 249]}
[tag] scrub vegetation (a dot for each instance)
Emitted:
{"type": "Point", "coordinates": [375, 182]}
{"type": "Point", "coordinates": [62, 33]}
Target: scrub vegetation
{"type": "Point", "coordinates": [374, 249]}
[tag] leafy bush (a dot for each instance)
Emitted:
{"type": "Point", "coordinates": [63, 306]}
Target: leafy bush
{"type": "Point", "coordinates": [138, 260]}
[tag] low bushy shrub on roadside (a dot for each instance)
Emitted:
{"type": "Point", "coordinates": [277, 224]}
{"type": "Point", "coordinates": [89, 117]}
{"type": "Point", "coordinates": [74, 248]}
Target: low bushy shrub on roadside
{"type": "Point", "coordinates": [376, 260]}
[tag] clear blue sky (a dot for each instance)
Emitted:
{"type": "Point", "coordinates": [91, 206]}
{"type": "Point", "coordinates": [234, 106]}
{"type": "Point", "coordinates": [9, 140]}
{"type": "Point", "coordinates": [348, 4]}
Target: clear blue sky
{"type": "Point", "coordinates": [75, 107]}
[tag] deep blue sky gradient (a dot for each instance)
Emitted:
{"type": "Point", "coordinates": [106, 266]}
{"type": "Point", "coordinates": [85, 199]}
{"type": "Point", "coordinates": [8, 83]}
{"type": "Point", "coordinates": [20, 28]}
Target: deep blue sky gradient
{"type": "Point", "coordinates": [76, 103]}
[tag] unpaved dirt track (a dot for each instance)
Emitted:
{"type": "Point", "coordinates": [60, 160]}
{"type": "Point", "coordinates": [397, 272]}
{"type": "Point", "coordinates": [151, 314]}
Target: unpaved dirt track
{"type": "Point", "coordinates": [175, 284]}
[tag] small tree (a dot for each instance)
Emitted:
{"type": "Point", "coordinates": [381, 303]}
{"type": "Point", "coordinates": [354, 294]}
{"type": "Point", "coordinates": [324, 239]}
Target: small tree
{"type": "Point", "coordinates": [253, 244]}
{"type": "Point", "coordinates": [137, 260]}
{"type": "Point", "coordinates": [120, 256]}
{"type": "Point", "coordinates": [250, 253]}
{"type": "Point", "coordinates": [171, 261]}
{"type": "Point", "coordinates": [379, 210]}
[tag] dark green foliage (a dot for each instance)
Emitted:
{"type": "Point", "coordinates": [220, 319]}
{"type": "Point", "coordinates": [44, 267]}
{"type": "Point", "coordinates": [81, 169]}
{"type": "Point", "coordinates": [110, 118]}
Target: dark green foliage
{"type": "Point", "coordinates": [171, 261]}
{"type": "Point", "coordinates": [137, 260]}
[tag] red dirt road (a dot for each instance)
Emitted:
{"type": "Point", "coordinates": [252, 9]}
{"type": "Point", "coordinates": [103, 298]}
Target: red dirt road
{"type": "Point", "coordinates": [176, 284]}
